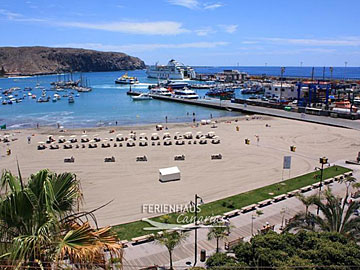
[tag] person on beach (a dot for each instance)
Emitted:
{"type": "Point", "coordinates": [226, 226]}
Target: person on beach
{"type": "Point", "coordinates": [37, 125]}
{"type": "Point", "coordinates": [29, 139]}
{"type": "Point", "coordinates": [194, 120]}
{"type": "Point", "coordinates": [166, 119]}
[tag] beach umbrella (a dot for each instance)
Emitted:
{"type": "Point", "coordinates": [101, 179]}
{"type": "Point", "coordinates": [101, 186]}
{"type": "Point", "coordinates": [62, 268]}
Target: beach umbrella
{"type": "Point", "coordinates": [216, 137]}
{"type": "Point", "coordinates": [142, 134]}
{"type": "Point", "coordinates": [143, 140]}
{"type": "Point", "coordinates": [154, 134]}
{"type": "Point", "coordinates": [92, 141]}
{"type": "Point", "coordinates": [84, 136]}
{"type": "Point", "coordinates": [95, 135]}
{"type": "Point", "coordinates": [61, 137]}
{"type": "Point", "coordinates": [119, 135]}
{"type": "Point", "coordinates": [167, 139]}
{"type": "Point", "coordinates": [41, 142]}
{"type": "Point", "coordinates": [73, 136]}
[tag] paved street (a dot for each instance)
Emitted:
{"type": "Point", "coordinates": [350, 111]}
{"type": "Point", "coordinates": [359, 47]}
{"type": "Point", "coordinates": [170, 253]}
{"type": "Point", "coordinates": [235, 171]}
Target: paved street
{"type": "Point", "coordinates": [151, 254]}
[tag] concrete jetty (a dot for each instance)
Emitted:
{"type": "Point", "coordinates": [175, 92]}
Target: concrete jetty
{"type": "Point", "coordinates": [250, 109]}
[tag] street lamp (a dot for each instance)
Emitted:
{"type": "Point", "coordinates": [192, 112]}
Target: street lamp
{"type": "Point", "coordinates": [323, 161]}
{"type": "Point", "coordinates": [281, 82]}
{"type": "Point", "coordinates": [198, 200]}
{"type": "Point", "coordinates": [252, 224]}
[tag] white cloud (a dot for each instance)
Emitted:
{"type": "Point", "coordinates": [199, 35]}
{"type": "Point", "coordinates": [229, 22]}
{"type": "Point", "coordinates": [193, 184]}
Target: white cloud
{"type": "Point", "coordinates": [212, 6]}
{"type": "Point", "coordinates": [204, 31]}
{"type": "Point", "coordinates": [131, 48]}
{"type": "Point", "coordinates": [345, 41]}
{"type": "Point", "coordinates": [10, 15]}
{"type": "Point", "coordinates": [145, 28]}
{"type": "Point", "coordinates": [228, 28]}
{"type": "Point", "coordinates": [195, 4]}
{"type": "Point", "coordinates": [191, 4]}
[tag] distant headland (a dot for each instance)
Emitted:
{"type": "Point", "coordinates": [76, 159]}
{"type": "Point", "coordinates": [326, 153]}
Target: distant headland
{"type": "Point", "coordinates": [25, 61]}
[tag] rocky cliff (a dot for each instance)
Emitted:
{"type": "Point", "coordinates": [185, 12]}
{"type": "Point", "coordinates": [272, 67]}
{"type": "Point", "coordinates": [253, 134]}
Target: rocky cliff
{"type": "Point", "coordinates": [45, 60]}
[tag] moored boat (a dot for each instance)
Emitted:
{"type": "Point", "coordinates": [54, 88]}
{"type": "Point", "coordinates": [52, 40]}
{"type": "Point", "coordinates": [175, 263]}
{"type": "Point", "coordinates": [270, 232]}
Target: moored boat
{"type": "Point", "coordinates": [143, 96]}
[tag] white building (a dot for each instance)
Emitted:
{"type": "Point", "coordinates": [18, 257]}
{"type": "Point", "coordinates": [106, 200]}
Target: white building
{"type": "Point", "coordinates": [289, 91]}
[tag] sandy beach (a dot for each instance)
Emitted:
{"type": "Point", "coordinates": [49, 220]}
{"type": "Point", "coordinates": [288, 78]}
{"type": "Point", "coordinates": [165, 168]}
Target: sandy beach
{"type": "Point", "coordinates": [130, 184]}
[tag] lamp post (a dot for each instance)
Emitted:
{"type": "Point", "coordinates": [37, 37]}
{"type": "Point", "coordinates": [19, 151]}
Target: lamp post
{"type": "Point", "coordinates": [252, 224]}
{"type": "Point", "coordinates": [281, 82]}
{"type": "Point", "coordinates": [345, 70]}
{"type": "Point", "coordinates": [323, 161]}
{"type": "Point", "coordinates": [195, 203]}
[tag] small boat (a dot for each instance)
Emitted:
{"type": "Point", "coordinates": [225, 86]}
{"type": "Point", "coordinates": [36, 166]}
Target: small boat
{"type": "Point", "coordinates": [71, 99]}
{"type": "Point", "coordinates": [143, 96]}
{"type": "Point", "coordinates": [186, 94]}
{"type": "Point", "coordinates": [125, 79]}
{"type": "Point", "coordinates": [161, 91]}
{"type": "Point", "coordinates": [54, 99]}
{"type": "Point", "coordinates": [4, 102]}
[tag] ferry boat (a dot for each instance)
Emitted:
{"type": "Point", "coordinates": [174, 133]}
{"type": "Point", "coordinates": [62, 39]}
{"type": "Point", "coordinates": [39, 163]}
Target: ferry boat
{"type": "Point", "coordinates": [125, 79]}
{"type": "Point", "coordinates": [186, 93]}
{"type": "Point", "coordinates": [161, 91]}
{"type": "Point", "coordinates": [172, 71]}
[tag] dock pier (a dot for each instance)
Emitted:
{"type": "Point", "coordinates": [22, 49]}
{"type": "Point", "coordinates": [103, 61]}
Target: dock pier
{"type": "Point", "coordinates": [251, 109]}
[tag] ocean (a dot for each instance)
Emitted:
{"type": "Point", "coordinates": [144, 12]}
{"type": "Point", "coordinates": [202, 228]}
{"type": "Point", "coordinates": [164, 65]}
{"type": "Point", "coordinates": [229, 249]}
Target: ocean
{"type": "Point", "coordinates": [108, 103]}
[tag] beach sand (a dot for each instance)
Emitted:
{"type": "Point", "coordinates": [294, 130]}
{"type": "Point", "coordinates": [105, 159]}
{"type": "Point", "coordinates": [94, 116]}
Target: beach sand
{"type": "Point", "coordinates": [130, 184]}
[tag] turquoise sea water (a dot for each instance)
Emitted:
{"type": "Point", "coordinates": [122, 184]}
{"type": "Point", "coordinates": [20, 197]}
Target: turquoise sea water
{"type": "Point", "coordinates": [108, 102]}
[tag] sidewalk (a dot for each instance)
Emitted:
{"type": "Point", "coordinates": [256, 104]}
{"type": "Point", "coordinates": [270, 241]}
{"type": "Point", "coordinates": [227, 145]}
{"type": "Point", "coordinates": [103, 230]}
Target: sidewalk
{"type": "Point", "coordinates": [148, 254]}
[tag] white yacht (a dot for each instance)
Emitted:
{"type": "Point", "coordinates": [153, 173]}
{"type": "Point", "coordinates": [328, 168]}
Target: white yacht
{"type": "Point", "coordinates": [186, 93]}
{"type": "Point", "coordinates": [161, 91]}
{"type": "Point", "coordinates": [143, 96]}
{"type": "Point", "coordinates": [172, 71]}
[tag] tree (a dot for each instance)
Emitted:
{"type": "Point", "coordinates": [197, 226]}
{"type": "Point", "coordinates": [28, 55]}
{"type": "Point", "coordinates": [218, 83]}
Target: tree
{"type": "Point", "coordinates": [303, 250]}
{"type": "Point", "coordinates": [219, 230]}
{"type": "Point", "coordinates": [337, 216]}
{"type": "Point", "coordinates": [219, 260]}
{"type": "Point", "coordinates": [40, 222]}
{"type": "Point", "coordinates": [348, 181]}
{"type": "Point", "coordinates": [171, 239]}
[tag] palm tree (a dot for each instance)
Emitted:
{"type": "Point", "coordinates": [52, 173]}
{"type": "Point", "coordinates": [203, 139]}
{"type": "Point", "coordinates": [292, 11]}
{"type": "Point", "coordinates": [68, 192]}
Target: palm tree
{"type": "Point", "coordinates": [171, 239]}
{"type": "Point", "coordinates": [218, 231]}
{"type": "Point", "coordinates": [39, 221]}
{"type": "Point", "coordinates": [348, 181]}
{"type": "Point", "coordinates": [307, 201]}
{"type": "Point", "coordinates": [337, 216]}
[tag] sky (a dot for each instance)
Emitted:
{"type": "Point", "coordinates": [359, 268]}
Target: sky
{"type": "Point", "coordinates": [195, 32]}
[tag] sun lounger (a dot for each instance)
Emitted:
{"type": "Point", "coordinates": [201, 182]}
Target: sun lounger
{"type": "Point", "coordinates": [167, 142]}
{"type": "Point", "coordinates": [92, 145]}
{"type": "Point", "coordinates": [41, 147]}
{"type": "Point", "coordinates": [69, 160]}
{"type": "Point", "coordinates": [61, 140]}
{"type": "Point", "coordinates": [141, 158]}
{"type": "Point", "coordinates": [218, 156]}
{"type": "Point", "coordinates": [215, 141]}
{"type": "Point", "coordinates": [68, 146]}
{"type": "Point", "coordinates": [53, 146]}
{"type": "Point", "coordinates": [109, 159]}
{"type": "Point", "coordinates": [203, 141]}
{"type": "Point", "coordinates": [179, 142]}
{"type": "Point", "coordinates": [179, 157]}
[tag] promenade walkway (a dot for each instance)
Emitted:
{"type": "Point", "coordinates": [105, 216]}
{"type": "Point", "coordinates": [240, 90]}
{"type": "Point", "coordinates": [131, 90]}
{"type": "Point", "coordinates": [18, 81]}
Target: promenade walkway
{"type": "Point", "coordinates": [249, 109]}
{"type": "Point", "coordinates": [151, 254]}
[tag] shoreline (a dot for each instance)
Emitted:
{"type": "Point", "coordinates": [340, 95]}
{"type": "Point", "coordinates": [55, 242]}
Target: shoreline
{"type": "Point", "coordinates": [54, 129]}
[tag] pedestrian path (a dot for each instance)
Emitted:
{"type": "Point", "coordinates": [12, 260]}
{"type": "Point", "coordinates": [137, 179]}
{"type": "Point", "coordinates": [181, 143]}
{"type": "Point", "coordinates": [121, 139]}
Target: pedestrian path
{"type": "Point", "coordinates": [148, 254]}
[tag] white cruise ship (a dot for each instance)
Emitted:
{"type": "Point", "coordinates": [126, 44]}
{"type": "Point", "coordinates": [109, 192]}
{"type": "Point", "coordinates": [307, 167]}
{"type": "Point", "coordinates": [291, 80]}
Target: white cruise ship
{"type": "Point", "coordinates": [172, 71]}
